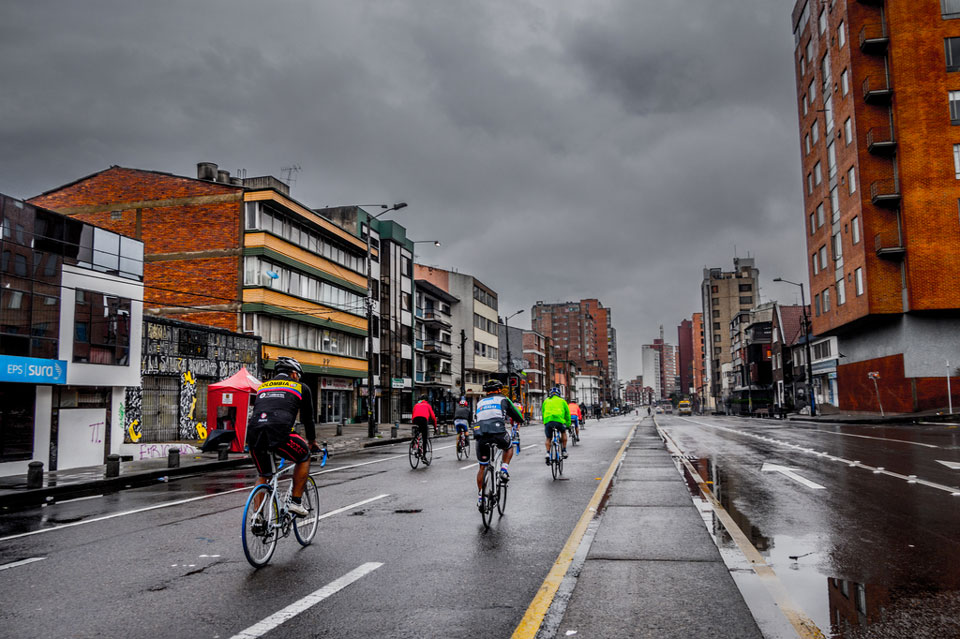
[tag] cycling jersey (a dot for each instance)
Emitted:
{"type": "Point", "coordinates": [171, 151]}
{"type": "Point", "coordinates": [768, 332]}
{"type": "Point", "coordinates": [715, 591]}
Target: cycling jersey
{"type": "Point", "coordinates": [575, 410]}
{"type": "Point", "coordinates": [555, 409]}
{"type": "Point", "coordinates": [423, 411]}
{"type": "Point", "coordinates": [275, 411]}
{"type": "Point", "coordinates": [492, 414]}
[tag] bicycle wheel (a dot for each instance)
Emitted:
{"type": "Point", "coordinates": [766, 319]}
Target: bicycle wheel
{"type": "Point", "coordinates": [460, 451]}
{"type": "Point", "coordinates": [554, 458]}
{"type": "Point", "coordinates": [573, 436]}
{"type": "Point", "coordinates": [305, 528]}
{"type": "Point", "coordinates": [260, 526]}
{"type": "Point", "coordinates": [489, 494]}
{"type": "Point", "coordinates": [559, 462]}
{"type": "Point", "coordinates": [501, 497]}
{"type": "Point", "coordinates": [414, 453]}
{"type": "Point", "coordinates": [427, 452]}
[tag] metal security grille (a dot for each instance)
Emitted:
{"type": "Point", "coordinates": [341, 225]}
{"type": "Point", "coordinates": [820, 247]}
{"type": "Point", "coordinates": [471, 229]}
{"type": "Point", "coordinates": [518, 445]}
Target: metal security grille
{"type": "Point", "coordinates": [161, 400]}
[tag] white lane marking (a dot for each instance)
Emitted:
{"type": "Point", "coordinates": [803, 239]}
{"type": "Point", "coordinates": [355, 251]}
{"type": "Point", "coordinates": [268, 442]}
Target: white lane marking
{"type": "Point", "coordinates": [953, 490]}
{"type": "Point", "coordinates": [952, 465]}
{"type": "Point", "coordinates": [67, 501]}
{"type": "Point", "coordinates": [22, 562]}
{"type": "Point", "coordinates": [172, 503]}
{"type": "Point", "coordinates": [259, 629]}
{"type": "Point", "coordinates": [466, 467]}
{"type": "Point", "coordinates": [883, 439]}
{"type": "Point", "coordinates": [352, 506]}
{"type": "Point", "coordinates": [788, 472]}
{"type": "Point", "coordinates": [526, 447]}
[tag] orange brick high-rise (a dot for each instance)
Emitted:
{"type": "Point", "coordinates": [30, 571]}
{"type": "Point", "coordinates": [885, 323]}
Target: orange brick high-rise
{"type": "Point", "coordinates": [878, 88]}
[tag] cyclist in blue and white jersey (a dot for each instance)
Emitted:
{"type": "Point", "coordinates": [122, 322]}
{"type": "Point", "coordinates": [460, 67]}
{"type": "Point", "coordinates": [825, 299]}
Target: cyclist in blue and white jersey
{"type": "Point", "coordinates": [490, 429]}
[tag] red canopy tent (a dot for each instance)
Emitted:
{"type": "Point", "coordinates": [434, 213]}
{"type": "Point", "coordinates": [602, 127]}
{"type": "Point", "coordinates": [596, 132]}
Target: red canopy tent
{"type": "Point", "coordinates": [228, 406]}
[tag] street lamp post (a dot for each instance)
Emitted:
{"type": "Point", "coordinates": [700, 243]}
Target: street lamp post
{"type": "Point", "coordinates": [371, 395]}
{"type": "Point", "coordinates": [506, 323]}
{"type": "Point", "coordinates": [806, 341]}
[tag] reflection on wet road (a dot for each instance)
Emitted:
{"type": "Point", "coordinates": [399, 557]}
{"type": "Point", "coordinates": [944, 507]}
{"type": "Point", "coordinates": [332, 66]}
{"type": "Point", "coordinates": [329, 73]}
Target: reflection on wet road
{"type": "Point", "coordinates": [859, 522]}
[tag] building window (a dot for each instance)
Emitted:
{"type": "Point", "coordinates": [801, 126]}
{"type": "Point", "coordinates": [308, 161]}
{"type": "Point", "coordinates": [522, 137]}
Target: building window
{"type": "Point", "coordinates": [716, 338]}
{"type": "Point", "coordinates": [956, 161]}
{"type": "Point", "coordinates": [16, 436]}
{"type": "Point", "coordinates": [815, 131]}
{"type": "Point", "coordinates": [825, 299]}
{"type": "Point", "coordinates": [822, 21]}
{"type": "Point", "coordinates": [816, 265]}
{"type": "Point", "coordinates": [803, 67]}
{"type": "Point", "coordinates": [810, 183]}
{"type": "Point", "coordinates": [715, 289]}
{"type": "Point", "coordinates": [844, 82]}
{"type": "Point", "coordinates": [852, 180]}
{"type": "Point", "coordinates": [954, 98]}
{"type": "Point", "coordinates": [812, 90]}
{"type": "Point", "coordinates": [855, 229]}
{"type": "Point", "coordinates": [813, 223]}
{"type": "Point", "coordinates": [809, 49]}
{"type": "Point", "coordinates": [716, 313]}
{"type": "Point", "coordinates": [820, 215]}
{"type": "Point", "coordinates": [746, 299]}
{"type": "Point", "coordinates": [817, 174]}
{"type": "Point", "coordinates": [816, 304]}
{"type": "Point", "coordinates": [716, 326]}
{"type": "Point", "coordinates": [823, 257]}
{"type": "Point", "coordinates": [841, 35]}
{"type": "Point", "coordinates": [806, 143]}
{"type": "Point", "coordinates": [746, 288]}
{"type": "Point", "coordinates": [831, 160]}
{"type": "Point", "coordinates": [848, 131]}
{"type": "Point", "coordinates": [951, 9]}
{"type": "Point", "coordinates": [952, 47]}
{"type": "Point", "coordinates": [858, 281]}
{"type": "Point", "coordinates": [828, 112]}
{"type": "Point", "coordinates": [803, 104]}
{"type": "Point", "coordinates": [101, 329]}
{"type": "Point", "coordinates": [841, 292]}
{"type": "Point", "coordinates": [825, 72]}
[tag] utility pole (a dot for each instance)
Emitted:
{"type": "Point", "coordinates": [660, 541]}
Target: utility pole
{"type": "Point", "coordinates": [463, 363]}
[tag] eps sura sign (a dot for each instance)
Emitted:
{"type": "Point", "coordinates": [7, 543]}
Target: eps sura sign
{"type": "Point", "coordinates": [30, 370]}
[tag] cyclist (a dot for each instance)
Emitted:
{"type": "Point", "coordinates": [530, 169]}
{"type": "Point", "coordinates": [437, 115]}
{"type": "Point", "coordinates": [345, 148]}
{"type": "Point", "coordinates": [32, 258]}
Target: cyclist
{"type": "Point", "coordinates": [274, 412]}
{"type": "Point", "coordinates": [490, 429]}
{"type": "Point", "coordinates": [463, 417]}
{"type": "Point", "coordinates": [422, 416]}
{"type": "Point", "coordinates": [575, 417]}
{"type": "Point", "coordinates": [556, 415]}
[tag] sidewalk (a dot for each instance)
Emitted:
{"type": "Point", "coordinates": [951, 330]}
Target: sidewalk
{"type": "Point", "coordinates": [88, 480]}
{"type": "Point", "coordinates": [652, 569]}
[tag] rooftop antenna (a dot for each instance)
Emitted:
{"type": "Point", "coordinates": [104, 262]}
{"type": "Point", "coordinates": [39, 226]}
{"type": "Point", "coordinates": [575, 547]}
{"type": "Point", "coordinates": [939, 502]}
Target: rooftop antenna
{"type": "Point", "coordinates": [289, 173]}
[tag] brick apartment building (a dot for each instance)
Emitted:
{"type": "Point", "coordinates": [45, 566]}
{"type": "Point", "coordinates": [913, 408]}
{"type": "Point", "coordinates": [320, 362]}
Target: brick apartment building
{"type": "Point", "coordinates": [698, 381]}
{"type": "Point", "coordinates": [725, 294]}
{"type": "Point", "coordinates": [878, 88]}
{"type": "Point", "coordinates": [241, 255]}
{"type": "Point", "coordinates": [585, 331]}
{"type": "Point", "coordinates": [685, 356]}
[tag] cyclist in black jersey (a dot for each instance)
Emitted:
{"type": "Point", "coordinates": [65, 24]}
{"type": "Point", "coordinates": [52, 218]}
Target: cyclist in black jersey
{"type": "Point", "coordinates": [274, 412]}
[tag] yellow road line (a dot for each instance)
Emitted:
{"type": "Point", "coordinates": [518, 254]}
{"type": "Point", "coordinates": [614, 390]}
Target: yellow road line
{"type": "Point", "coordinates": [804, 625]}
{"type": "Point", "coordinates": [530, 624]}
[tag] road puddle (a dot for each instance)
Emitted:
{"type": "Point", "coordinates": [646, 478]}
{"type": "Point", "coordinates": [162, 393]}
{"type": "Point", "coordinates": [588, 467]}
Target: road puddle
{"type": "Point", "coordinates": [858, 581]}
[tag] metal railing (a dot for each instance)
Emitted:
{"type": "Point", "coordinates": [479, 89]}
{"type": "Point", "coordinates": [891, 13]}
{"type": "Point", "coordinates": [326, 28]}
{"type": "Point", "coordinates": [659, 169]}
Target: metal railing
{"type": "Point", "coordinates": [874, 36]}
{"type": "Point", "coordinates": [880, 138]}
{"type": "Point", "coordinates": [888, 189]}
{"type": "Point", "coordinates": [877, 87]}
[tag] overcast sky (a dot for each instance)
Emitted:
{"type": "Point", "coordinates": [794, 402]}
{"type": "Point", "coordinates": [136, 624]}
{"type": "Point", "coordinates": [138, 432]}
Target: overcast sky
{"type": "Point", "coordinates": [558, 149]}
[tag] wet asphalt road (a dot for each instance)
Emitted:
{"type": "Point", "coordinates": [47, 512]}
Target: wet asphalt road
{"type": "Point", "coordinates": [179, 570]}
{"type": "Point", "coordinates": [876, 555]}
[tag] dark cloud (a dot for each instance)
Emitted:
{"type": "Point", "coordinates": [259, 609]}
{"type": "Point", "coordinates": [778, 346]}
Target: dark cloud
{"type": "Point", "coordinates": [559, 150]}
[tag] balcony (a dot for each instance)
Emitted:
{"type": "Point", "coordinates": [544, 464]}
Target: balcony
{"type": "Point", "coordinates": [881, 141]}
{"type": "Point", "coordinates": [874, 39]}
{"type": "Point", "coordinates": [877, 89]}
{"type": "Point", "coordinates": [435, 316]}
{"type": "Point", "coordinates": [436, 347]}
{"type": "Point", "coordinates": [889, 246]}
{"type": "Point", "coordinates": [885, 193]}
{"type": "Point", "coordinates": [438, 378]}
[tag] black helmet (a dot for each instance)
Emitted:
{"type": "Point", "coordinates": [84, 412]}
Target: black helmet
{"type": "Point", "coordinates": [492, 386]}
{"type": "Point", "coordinates": [422, 398]}
{"type": "Point", "coordinates": [288, 364]}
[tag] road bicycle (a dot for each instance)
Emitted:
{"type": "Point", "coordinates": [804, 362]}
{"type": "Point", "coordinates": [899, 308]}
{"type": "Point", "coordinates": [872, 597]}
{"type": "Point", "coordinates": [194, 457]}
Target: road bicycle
{"type": "Point", "coordinates": [574, 435]}
{"type": "Point", "coordinates": [463, 445]}
{"type": "Point", "coordinates": [515, 438]}
{"type": "Point", "coordinates": [420, 450]}
{"type": "Point", "coordinates": [265, 520]}
{"type": "Point", "coordinates": [556, 454]}
{"type": "Point", "coordinates": [493, 491]}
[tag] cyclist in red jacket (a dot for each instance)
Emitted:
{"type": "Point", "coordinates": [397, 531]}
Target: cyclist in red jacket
{"type": "Point", "coordinates": [422, 416]}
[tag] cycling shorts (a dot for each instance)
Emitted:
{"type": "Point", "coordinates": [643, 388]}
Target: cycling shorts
{"type": "Point", "coordinates": [574, 421]}
{"type": "Point", "coordinates": [461, 425]}
{"type": "Point", "coordinates": [295, 449]}
{"type": "Point", "coordinates": [549, 426]}
{"type": "Point", "coordinates": [485, 440]}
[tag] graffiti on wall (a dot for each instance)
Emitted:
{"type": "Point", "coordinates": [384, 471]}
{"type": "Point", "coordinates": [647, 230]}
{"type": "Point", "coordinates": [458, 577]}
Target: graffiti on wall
{"type": "Point", "coordinates": [190, 354]}
{"type": "Point", "coordinates": [154, 451]}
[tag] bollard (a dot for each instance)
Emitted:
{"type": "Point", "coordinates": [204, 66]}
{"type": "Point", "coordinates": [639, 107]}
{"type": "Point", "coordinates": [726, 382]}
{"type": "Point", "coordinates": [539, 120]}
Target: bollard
{"type": "Point", "coordinates": [113, 466]}
{"type": "Point", "coordinates": [173, 458]}
{"type": "Point", "coordinates": [395, 430]}
{"type": "Point", "coordinates": [35, 474]}
{"type": "Point", "coordinates": [222, 452]}
{"type": "Point", "coordinates": [340, 428]}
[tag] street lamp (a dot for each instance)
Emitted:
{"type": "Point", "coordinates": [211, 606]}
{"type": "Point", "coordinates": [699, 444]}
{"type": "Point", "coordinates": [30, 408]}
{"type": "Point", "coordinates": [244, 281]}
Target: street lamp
{"type": "Point", "coordinates": [434, 242]}
{"type": "Point", "coordinates": [371, 395]}
{"type": "Point", "coordinates": [806, 340]}
{"type": "Point", "coordinates": [506, 322]}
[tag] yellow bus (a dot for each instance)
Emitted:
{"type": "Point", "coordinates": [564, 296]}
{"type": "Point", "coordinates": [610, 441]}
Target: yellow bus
{"type": "Point", "coordinates": [685, 408]}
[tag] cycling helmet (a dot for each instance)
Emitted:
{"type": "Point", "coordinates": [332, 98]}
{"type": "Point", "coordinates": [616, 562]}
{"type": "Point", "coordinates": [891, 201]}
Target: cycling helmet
{"type": "Point", "coordinates": [492, 386]}
{"type": "Point", "coordinates": [422, 398]}
{"type": "Point", "coordinates": [288, 364]}
{"type": "Point", "coordinates": [463, 402]}
{"type": "Point", "coordinates": [554, 392]}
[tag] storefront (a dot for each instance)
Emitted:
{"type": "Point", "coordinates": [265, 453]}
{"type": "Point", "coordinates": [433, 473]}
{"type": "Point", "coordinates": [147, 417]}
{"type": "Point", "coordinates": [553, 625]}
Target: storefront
{"type": "Point", "coordinates": [336, 399]}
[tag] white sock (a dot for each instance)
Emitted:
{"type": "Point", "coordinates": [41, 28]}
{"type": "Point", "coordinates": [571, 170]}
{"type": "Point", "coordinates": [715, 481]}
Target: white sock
{"type": "Point", "coordinates": [504, 466]}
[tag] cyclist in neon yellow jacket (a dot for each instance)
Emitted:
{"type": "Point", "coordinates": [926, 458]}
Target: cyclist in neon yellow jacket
{"type": "Point", "coordinates": [556, 415]}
